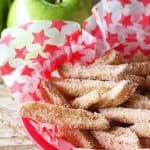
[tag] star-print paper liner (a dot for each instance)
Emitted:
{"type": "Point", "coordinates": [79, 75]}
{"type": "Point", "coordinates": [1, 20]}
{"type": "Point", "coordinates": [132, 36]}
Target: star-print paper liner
{"type": "Point", "coordinates": [31, 52]}
{"type": "Point", "coordinates": [121, 24]}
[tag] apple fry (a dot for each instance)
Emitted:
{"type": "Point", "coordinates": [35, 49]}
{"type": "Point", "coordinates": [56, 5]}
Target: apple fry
{"type": "Point", "coordinates": [116, 96]}
{"type": "Point", "coordinates": [147, 94]}
{"type": "Point", "coordinates": [145, 142]}
{"type": "Point", "coordinates": [141, 81]}
{"type": "Point", "coordinates": [138, 101]}
{"type": "Point", "coordinates": [148, 81]}
{"type": "Point", "coordinates": [52, 95]}
{"type": "Point", "coordinates": [142, 129]}
{"type": "Point", "coordinates": [73, 118]}
{"type": "Point", "coordinates": [117, 138]}
{"type": "Point", "coordinates": [139, 57]}
{"type": "Point", "coordinates": [78, 87]}
{"type": "Point", "coordinates": [140, 69]}
{"type": "Point", "coordinates": [100, 72]}
{"type": "Point", "coordinates": [111, 57]}
{"type": "Point", "coordinates": [81, 138]}
{"type": "Point", "coordinates": [78, 138]}
{"type": "Point", "coordinates": [126, 115]}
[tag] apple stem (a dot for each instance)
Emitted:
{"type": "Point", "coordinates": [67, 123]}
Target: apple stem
{"type": "Point", "coordinates": [54, 1]}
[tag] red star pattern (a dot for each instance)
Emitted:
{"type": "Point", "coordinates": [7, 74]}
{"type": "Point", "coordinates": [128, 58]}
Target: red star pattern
{"type": "Point", "coordinates": [131, 38]}
{"type": "Point", "coordinates": [21, 53]}
{"type": "Point", "coordinates": [7, 39]}
{"type": "Point", "coordinates": [16, 87]}
{"type": "Point", "coordinates": [145, 52]}
{"type": "Point", "coordinates": [147, 40]}
{"type": "Point", "coordinates": [112, 38]}
{"type": "Point", "coordinates": [6, 69]}
{"type": "Point", "coordinates": [120, 48]}
{"type": "Point", "coordinates": [51, 49]}
{"type": "Point", "coordinates": [39, 59]}
{"type": "Point", "coordinates": [27, 71]}
{"type": "Point", "coordinates": [108, 18]}
{"type": "Point", "coordinates": [58, 24]}
{"type": "Point", "coordinates": [47, 73]}
{"type": "Point", "coordinates": [89, 46]}
{"type": "Point", "coordinates": [56, 61]}
{"type": "Point", "coordinates": [97, 33]}
{"type": "Point", "coordinates": [67, 42]}
{"type": "Point", "coordinates": [145, 20]}
{"type": "Point", "coordinates": [35, 96]}
{"type": "Point", "coordinates": [75, 36]}
{"type": "Point", "coordinates": [125, 20]}
{"type": "Point", "coordinates": [124, 2]}
{"type": "Point", "coordinates": [25, 26]}
{"type": "Point", "coordinates": [76, 56]}
{"type": "Point", "coordinates": [145, 2]}
{"type": "Point", "coordinates": [40, 37]}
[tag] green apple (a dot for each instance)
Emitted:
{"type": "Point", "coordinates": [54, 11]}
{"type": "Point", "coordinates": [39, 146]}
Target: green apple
{"type": "Point", "coordinates": [27, 10]}
{"type": "Point", "coordinates": [4, 7]}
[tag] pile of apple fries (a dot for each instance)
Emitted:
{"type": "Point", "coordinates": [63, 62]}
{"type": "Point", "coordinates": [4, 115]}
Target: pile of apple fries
{"type": "Point", "coordinates": [104, 105]}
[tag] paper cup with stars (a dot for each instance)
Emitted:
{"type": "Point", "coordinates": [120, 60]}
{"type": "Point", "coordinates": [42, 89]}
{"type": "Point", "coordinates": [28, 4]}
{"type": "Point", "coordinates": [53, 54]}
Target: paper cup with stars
{"type": "Point", "coordinates": [29, 54]}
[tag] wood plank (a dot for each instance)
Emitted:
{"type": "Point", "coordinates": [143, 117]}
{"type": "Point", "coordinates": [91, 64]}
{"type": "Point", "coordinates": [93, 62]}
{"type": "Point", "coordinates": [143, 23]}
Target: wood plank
{"type": "Point", "coordinates": [12, 135]}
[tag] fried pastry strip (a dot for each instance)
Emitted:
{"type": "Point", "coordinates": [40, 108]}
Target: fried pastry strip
{"type": "Point", "coordinates": [75, 136]}
{"type": "Point", "coordinates": [145, 142]}
{"type": "Point", "coordinates": [116, 96]}
{"type": "Point", "coordinates": [105, 72]}
{"type": "Point", "coordinates": [139, 68]}
{"type": "Point", "coordinates": [126, 115]}
{"type": "Point", "coordinates": [142, 129]}
{"type": "Point", "coordinates": [79, 138]}
{"type": "Point", "coordinates": [111, 57]}
{"type": "Point", "coordinates": [141, 81]}
{"type": "Point", "coordinates": [117, 138]}
{"type": "Point", "coordinates": [139, 57]}
{"type": "Point", "coordinates": [138, 101]}
{"type": "Point", "coordinates": [52, 94]}
{"type": "Point", "coordinates": [77, 87]}
{"type": "Point", "coordinates": [73, 118]}
{"type": "Point", "coordinates": [148, 81]}
{"type": "Point", "coordinates": [100, 72]}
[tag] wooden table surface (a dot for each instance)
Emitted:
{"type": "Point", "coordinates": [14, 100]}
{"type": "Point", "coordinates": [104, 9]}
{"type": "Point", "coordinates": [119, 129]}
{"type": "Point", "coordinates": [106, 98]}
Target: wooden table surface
{"type": "Point", "coordinates": [12, 136]}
